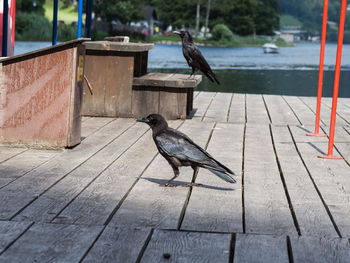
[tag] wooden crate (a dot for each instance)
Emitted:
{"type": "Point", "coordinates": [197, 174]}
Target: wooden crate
{"type": "Point", "coordinates": [170, 95]}
{"type": "Point", "coordinates": [110, 68]}
{"type": "Point", "coordinates": [41, 96]}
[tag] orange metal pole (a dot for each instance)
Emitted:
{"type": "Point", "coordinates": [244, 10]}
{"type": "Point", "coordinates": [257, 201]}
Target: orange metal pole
{"type": "Point", "coordinates": [336, 83]}
{"type": "Point", "coordinates": [320, 73]}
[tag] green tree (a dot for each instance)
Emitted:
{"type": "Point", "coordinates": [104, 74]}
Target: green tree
{"type": "Point", "coordinates": [177, 13]}
{"type": "Point", "coordinates": [124, 11]}
{"type": "Point", "coordinates": [238, 15]}
{"type": "Point", "coordinates": [266, 17]}
{"type": "Point", "coordinates": [30, 6]}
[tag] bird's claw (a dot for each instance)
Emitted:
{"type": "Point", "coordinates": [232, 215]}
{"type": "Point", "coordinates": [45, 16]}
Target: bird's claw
{"type": "Point", "coordinates": [167, 185]}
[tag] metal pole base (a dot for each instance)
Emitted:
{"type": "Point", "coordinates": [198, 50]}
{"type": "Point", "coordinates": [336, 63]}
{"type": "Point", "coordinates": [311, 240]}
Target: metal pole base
{"type": "Point", "coordinates": [316, 134]}
{"type": "Point", "coordinates": [330, 157]}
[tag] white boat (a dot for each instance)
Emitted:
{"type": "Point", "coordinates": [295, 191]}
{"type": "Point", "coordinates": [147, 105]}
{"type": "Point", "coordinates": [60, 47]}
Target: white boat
{"type": "Point", "coordinates": [270, 48]}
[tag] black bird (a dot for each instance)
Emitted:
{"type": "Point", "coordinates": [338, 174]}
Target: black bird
{"type": "Point", "coordinates": [194, 57]}
{"type": "Point", "coordinates": [179, 150]}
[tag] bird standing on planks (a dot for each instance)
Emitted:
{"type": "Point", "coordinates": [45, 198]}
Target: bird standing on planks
{"type": "Point", "coordinates": [179, 150]}
{"type": "Point", "coordinates": [194, 57]}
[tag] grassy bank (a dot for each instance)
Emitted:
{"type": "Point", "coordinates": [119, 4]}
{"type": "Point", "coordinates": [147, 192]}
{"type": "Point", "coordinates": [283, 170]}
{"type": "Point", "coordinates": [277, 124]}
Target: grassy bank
{"type": "Point", "coordinates": [68, 14]}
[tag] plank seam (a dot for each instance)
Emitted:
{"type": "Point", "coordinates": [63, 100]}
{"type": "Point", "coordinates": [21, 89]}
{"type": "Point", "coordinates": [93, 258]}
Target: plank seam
{"type": "Point", "coordinates": [211, 100]}
{"type": "Point", "coordinates": [243, 201]}
{"type": "Point", "coordinates": [346, 130]}
{"type": "Point", "coordinates": [14, 155]}
{"type": "Point", "coordinates": [41, 164]}
{"type": "Point", "coordinates": [289, 250]}
{"type": "Point", "coordinates": [64, 176]}
{"type": "Point", "coordinates": [296, 116]}
{"type": "Point", "coordinates": [143, 249]}
{"type": "Point", "coordinates": [92, 244]}
{"type": "Point", "coordinates": [198, 92]}
{"type": "Point", "coordinates": [245, 108]}
{"type": "Point", "coordinates": [314, 183]}
{"type": "Point", "coordinates": [85, 118]}
{"type": "Point", "coordinates": [232, 248]}
{"type": "Point", "coordinates": [205, 231]}
{"type": "Point", "coordinates": [338, 114]}
{"type": "Point", "coordinates": [112, 119]}
{"type": "Point", "coordinates": [13, 241]}
{"type": "Point", "coordinates": [229, 108]}
{"type": "Point", "coordinates": [187, 200]}
{"type": "Point", "coordinates": [267, 109]}
{"type": "Point", "coordinates": [335, 146]}
{"type": "Point", "coordinates": [295, 220]}
{"type": "Point", "coordinates": [96, 177]}
{"type": "Point", "coordinates": [114, 211]}
{"type": "Point", "coordinates": [311, 109]}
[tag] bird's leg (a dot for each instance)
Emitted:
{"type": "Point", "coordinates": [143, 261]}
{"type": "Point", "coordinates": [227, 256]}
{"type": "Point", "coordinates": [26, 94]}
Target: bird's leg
{"type": "Point", "coordinates": [176, 174]}
{"type": "Point", "coordinates": [193, 71]}
{"type": "Point", "coordinates": [195, 169]}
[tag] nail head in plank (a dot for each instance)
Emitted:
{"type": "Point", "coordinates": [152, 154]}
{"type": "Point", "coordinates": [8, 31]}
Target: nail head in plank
{"type": "Point", "coordinates": [118, 245]}
{"type": "Point", "coordinates": [187, 247]}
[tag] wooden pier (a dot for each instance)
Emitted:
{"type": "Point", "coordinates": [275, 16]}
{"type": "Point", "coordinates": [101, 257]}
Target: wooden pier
{"type": "Point", "coordinates": [102, 200]}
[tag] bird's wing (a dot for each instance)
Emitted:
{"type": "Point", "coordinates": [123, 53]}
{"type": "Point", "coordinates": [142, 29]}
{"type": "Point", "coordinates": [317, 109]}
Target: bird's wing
{"type": "Point", "coordinates": [177, 144]}
{"type": "Point", "coordinates": [195, 59]}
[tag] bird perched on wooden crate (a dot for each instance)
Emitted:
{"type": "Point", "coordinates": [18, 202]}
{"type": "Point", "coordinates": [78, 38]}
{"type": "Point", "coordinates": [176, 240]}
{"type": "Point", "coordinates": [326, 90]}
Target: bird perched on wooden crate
{"type": "Point", "coordinates": [180, 150]}
{"type": "Point", "coordinates": [194, 57]}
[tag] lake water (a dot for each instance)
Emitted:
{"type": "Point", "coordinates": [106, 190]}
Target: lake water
{"type": "Point", "coordinates": [294, 71]}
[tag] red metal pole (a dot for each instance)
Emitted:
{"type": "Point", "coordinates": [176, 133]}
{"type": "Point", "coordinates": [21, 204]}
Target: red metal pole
{"type": "Point", "coordinates": [336, 83]}
{"type": "Point", "coordinates": [320, 73]}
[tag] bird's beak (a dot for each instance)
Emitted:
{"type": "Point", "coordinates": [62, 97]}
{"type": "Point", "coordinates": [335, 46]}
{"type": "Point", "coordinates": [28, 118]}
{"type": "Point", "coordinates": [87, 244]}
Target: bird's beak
{"type": "Point", "coordinates": [176, 33]}
{"type": "Point", "coordinates": [142, 120]}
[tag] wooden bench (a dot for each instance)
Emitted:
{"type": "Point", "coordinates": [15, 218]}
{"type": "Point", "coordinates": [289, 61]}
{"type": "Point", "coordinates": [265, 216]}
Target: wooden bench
{"type": "Point", "coordinates": [170, 95]}
{"type": "Point", "coordinates": [41, 96]}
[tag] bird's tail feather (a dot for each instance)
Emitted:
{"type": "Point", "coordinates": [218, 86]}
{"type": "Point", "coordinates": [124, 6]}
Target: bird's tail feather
{"type": "Point", "coordinates": [209, 77]}
{"type": "Point", "coordinates": [223, 176]}
{"type": "Point", "coordinates": [216, 79]}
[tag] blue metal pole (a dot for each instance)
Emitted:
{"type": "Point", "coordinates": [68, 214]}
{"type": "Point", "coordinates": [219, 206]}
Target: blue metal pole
{"type": "Point", "coordinates": [80, 14]}
{"type": "Point", "coordinates": [5, 28]}
{"type": "Point", "coordinates": [54, 22]}
{"type": "Point", "coordinates": [88, 18]}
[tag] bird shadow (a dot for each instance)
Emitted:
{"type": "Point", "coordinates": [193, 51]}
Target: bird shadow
{"type": "Point", "coordinates": [161, 182]}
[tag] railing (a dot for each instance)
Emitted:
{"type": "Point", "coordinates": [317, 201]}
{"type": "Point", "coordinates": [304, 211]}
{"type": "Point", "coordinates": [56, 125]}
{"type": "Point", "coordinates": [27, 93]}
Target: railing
{"type": "Point", "coordinates": [330, 155]}
{"type": "Point", "coordinates": [80, 14]}
{"type": "Point", "coordinates": [54, 23]}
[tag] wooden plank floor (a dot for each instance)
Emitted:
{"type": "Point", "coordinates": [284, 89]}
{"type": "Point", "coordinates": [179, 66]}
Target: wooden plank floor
{"type": "Point", "coordinates": [102, 200]}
